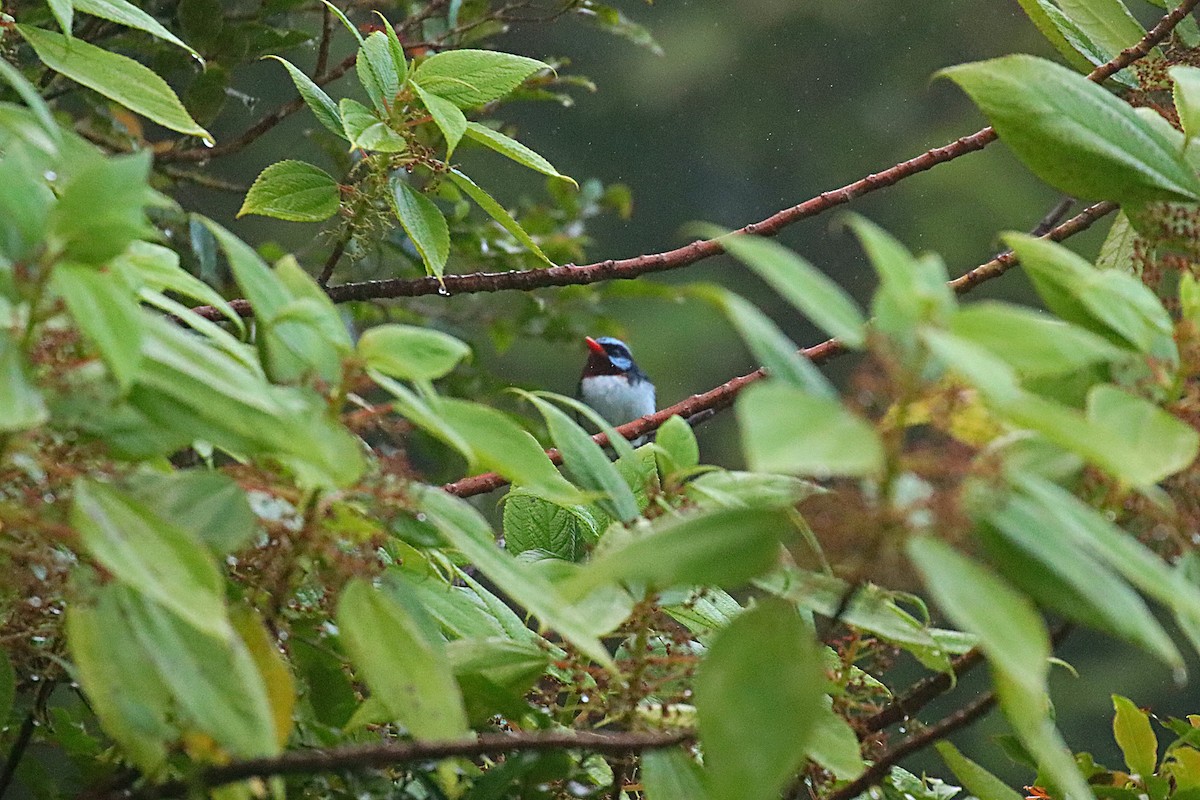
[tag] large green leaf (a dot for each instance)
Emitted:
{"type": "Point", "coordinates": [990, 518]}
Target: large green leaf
{"type": "Point", "coordinates": [563, 531]}
{"type": "Point", "coordinates": [125, 13]}
{"type": "Point", "coordinates": [512, 149]}
{"type": "Point", "coordinates": [409, 352]}
{"type": "Point", "coordinates": [1159, 444]}
{"type": "Point", "coordinates": [151, 555]}
{"type": "Point", "coordinates": [1046, 18]}
{"type": "Point", "coordinates": [1135, 737]}
{"type": "Point", "coordinates": [1106, 22]}
{"type": "Point", "coordinates": [366, 131]}
{"type": "Point", "coordinates": [423, 223]}
{"type": "Point", "coordinates": [209, 505]}
{"type": "Point", "coordinates": [785, 429]}
{"type": "Point", "coordinates": [469, 533]}
{"type": "Point", "coordinates": [1112, 303]}
{"type": "Point", "coordinates": [499, 444]}
{"type": "Point", "coordinates": [115, 76]}
{"type": "Point", "coordinates": [1011, 633]}
{"type": "Point", "coordinates": [315, 98]}
{"type": "Point", "coordinates": [1073, 134]}
{"type": "Point", "coordinates": [470, 78]}
{"type": "Point", "coordinates": [672, 775]}
{"type": "Point", "coordinates": [833, 743]}
{"type": "Point", "coordinates": [105, 654]}
{"type": "Point", "coordinates": [100, 208]}
{"type": "Point", "coordinates": [213, 679]}
{"type": "Point", "coordinates": [25, 206]}
{"type": "Point", "coordinates": [808, 289]}
{"type": "Point", "coordinates": [447, 116]}
{"type": "Point", "coordinates": [769, 345]}
{"type": "Point", "coordinates": [23, 405]}
{"type": "Point", "coordinates": [1187, 98]}
{"type": "Point", "coordinates": [758, 692]}
{"type": "Point", "coordinates": [154, 267]}
{"type": "Point", "coordinates": [727, 548]}
{"type": "Point", "coordinates": [294, 191]}
{"type": "Point", "coordinates": [1032, 343]}
{"type": "Point", "coordinates": [496, 212]}
{"type": "Point", "coordinates": [586, 461]}
{"type": "Point", "coordinates": [406, 670]}
{"type": "Point", "coordinates": [1071, 580]}
{"type": "Point", "coordinates": [104, 308]}
{"type": "Point", "coordinates": [377, 71]}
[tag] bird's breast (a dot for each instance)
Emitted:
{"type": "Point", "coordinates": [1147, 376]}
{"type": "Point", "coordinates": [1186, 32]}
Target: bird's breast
{"type": "Point", "coordinates": [616, 398]}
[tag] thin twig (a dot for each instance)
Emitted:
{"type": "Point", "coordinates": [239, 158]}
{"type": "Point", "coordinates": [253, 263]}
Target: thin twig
{"type": "Point", "coordinates": [920, 694]}
{"type": "Point", "coordinates": [722, 396]}
{"type": "Point", "coordinates": [326, 37]}
{"type": "Point", "coordinates": [1053, 216]}
{"type": "Point", "coordinates": [24, 736]}
{"type": "Point", "coordinates": [339, 248]}
{"type": "Point", "coordinates": [385, 754]}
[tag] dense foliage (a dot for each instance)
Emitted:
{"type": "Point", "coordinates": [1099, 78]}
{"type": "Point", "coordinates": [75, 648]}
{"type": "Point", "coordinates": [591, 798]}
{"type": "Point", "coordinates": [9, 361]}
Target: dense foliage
{"type": "Point", "coordinates": [228, 566]}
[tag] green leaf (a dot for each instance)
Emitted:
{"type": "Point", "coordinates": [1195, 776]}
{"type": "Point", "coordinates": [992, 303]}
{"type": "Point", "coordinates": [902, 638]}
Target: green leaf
{"type": "Point", "coordinates": [1032, 343]}
{"type": "Point", "coordinates": [785, 429]}
{"type": "Point", "coordinates": [769, 345]}
{"type": "Point", "coordinates": [1106, 22]}
{"type": "Point", "coordinates": [105, 654]}
{"type": "Point", "coordinates": [366, 131]}
{"type": "Point", "coordinates": [25, 206]}
{"type": "Point", "coordinates": [29, 94]}
{"type": "Point", "coordinates": [276, 676]}
{"type": "Point", "coordinates": [129, 15]}
{"type": "Point", "coordinates": [337, 12]}
{"type": "Point", "coordinates": [833, 743]}
{"type": "Point", "coordinates": [1046, 16]}
{"type": "Point", "coordinates": [1073, 134]}
{"type": "Point", "coordinates": [531, 523]}
{"type": "Point", "coordinates": [469, 533]}
{"type": "Point", "coordinates": [499, 444]}
{"type": "Point", "coordinates": [315, 98]}
{"type": "Point", "coordinates": [23, 405]}
{"type": "Point", "coordinates": [1028, 710]}
{"type": "Point", "coordinates": [423, 223]}
{"type": "Point", "coordinates": [1104, 301]}
{"type": "Point", "coordinates": [293, 191]}
{"type": "Point", "coordinates": [979, 368]}
{"type": "Point", "coordinates": [446, 116]}
{"type": "Point", "coordinates": [104, 308]}
{"type": "Point", "coordinates": [1159, 444]}
{"type": "Point", "coordinates": [911, 290]}
{"type": "Point", "coordinates": [735, 489]}
{"type": "Point", "coordinates": [377, 71]}
{"type": "Point", "coordinates": [1186, 90]}
{"type": "Point", "coordinates": [1187, 573]}
{"type": "Point", "coordinates": [115, 76]}
{"type": "Point", "coordinates": [150, 555]}
{"type": "Point", "coordinates": [496, 212]}
{"type": "Point", "coordinates": [586, 461]}
{"type": "Point", "coordinates": [470, 78]}
{"type": "Point", "coordinates": [1091, 531]}
{"type": "Point", "coordinates": [100, 208]}
{"type": "Point", "coordinates": [1011, 633]}
{"type": "Point", "coordinates": [1070, 580]}
{"type": "Point", "coordinates": [804, 286]}
{"type": "Point", "coordinates": [210, 506]}
{"type": "Point", "coordinates": [63, 11]}
{"type": "Point", "coordinates": [213, 679]}
{"type": "Point", "coordinates": [975, 778]}
{"type": "Point", "coordinates": [410, 353]}
{"type": "Point", "coordinates": [513, 150]}
{"type": "Point", "coordinates": [395, 49]}
{"type": "Point", "coordinates": [1135, 737]}
{"type": "Point", "coordinates": [724, 548]}
{"type": "Point", "coordinates": [672, 775]}
{"type": "Point", "coordinates": [755, 731]}
{"type": "Point", "coordinates": [156, 268]}
{"type": "Point", "coordinates": [406, 670]}
{"type": "Point", "coordinates": [678, 450]}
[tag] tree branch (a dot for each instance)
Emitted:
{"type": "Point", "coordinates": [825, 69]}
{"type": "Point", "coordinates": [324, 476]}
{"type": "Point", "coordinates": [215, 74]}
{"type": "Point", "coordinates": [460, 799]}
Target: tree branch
{"type": "Point", "coordinates": [629, 268]}
{"type": "Point", "coordinates": [722, 396]}
{"type": "Point", "coordinates": [385, 754]}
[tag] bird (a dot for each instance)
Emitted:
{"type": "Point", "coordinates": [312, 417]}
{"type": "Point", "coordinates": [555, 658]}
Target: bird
{"type": "Point", "coordinates": [612, 384]}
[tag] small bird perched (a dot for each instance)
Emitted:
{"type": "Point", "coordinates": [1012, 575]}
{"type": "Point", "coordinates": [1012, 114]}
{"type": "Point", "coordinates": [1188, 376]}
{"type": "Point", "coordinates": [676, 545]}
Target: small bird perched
{"type": "Point", "coordinates": [612, 384]}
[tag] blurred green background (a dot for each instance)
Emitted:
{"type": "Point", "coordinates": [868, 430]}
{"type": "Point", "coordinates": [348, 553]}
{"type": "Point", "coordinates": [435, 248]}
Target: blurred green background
{"type": "Point", "coordinates": [753, 106]}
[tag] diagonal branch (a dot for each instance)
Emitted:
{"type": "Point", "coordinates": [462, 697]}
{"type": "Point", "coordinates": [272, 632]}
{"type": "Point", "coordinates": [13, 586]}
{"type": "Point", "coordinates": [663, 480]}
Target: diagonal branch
{"type": "Point", "coordinates": [629, 268]}
{"type": "Point", "coordinates": [386, 754]}
{"type": "Point", "coordinates": [722, 396]}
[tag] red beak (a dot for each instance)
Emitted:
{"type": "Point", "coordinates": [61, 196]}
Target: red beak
{"type": "Point", "coordinates": [594, 346]}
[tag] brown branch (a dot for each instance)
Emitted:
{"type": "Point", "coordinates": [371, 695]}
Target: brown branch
{"type": "Point", "coordinates": [918, 741]}
{"type": "Point", "coordinates": [920, 694]}
{"type": "Point", "coordinates": [385, 754]}
{"type": "Point", "coordinates": [326, 37]}
{"type": "Point", "coordinates": [723, 395]}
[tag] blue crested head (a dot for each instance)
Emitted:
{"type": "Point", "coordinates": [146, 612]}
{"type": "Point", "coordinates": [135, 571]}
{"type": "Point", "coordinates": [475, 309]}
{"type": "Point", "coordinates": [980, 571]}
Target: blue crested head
{"type": "Point", "coordinates": [612, 384]}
